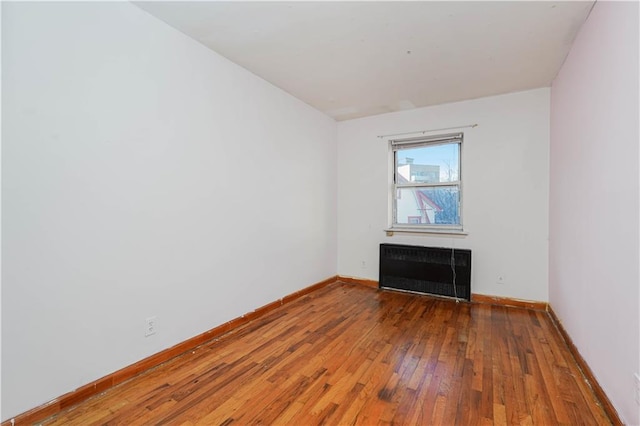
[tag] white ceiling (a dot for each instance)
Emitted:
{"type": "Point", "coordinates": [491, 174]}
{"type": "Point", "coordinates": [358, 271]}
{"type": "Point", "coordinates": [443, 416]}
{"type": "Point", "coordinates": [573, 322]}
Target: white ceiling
{"type": "Point", "coordinates": [354, 59]}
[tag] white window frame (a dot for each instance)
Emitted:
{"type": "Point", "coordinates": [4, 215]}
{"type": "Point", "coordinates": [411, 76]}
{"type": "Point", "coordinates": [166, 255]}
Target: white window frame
{"type": "Point", "coordinates": [396, 145]}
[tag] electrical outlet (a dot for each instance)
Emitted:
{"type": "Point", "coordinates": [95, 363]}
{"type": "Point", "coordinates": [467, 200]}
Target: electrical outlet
{"type": "Point", "coordinates": [637, 383]}
{"type": "Point", "coordinates": [150, 328]}
{"type": "Point", "coordinates": [500, 280]}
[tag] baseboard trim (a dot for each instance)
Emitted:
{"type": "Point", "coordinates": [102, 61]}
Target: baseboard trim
{"type": "Point", "coordinates": [507, 301]}
{"type": "Point", "coordinates": [586, 371]}
{"type": "Point", "coordinates": [360, 281]}
{"type": "Point", "coordinates": [476, 298]}
{"type": "Point", "coordinates": [85, 392]}
{"type": "Point", "coordinates": [98, 386]}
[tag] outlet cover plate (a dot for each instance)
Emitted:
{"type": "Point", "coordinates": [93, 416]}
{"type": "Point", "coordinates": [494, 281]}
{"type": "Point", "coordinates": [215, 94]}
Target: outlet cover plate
{"type": "Point", "coordinates": [150, 327]}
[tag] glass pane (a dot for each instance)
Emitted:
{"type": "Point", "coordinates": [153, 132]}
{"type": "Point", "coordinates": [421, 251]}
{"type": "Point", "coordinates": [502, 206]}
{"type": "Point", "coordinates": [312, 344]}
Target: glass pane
{"type": "Point", "coordinates": [423, 206]}
{"type": "Point", "coordinates": [428, 164]}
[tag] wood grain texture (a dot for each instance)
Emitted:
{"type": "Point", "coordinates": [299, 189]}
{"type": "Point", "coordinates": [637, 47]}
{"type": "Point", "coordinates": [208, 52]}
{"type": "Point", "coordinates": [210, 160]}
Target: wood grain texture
{"type": "Point", "coordinates": [477, 298]}
{"type": "Point", "coordinates": [507, 301]}
{"type": "Point", "coordinates": [361, 281]}
{"type": "Point", "coordinates": [348, 354]}
{"type": "Point", "coordinates": [85, 392]}
{"type": "Point", "coordinates": [586, 371]}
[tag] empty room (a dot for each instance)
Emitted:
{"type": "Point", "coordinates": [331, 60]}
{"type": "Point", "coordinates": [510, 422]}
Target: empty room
{"type": "Point", "coordinates": [301, 213]}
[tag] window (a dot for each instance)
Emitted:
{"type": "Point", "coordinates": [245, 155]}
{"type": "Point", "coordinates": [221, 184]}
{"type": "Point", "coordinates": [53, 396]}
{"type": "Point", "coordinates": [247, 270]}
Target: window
{"type": "Point", "coordinates": [426, 190]}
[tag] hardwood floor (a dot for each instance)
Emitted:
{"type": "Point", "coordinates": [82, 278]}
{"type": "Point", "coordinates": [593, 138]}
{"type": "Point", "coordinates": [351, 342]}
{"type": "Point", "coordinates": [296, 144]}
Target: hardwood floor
{"type": "Point", "coordinates": [348, 354]}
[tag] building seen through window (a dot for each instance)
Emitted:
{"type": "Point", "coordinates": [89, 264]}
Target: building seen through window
{"type": "Point", "coordinates": [427, 182]}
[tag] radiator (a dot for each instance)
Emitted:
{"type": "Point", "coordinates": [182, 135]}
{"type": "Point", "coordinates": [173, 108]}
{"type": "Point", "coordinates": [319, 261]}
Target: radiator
{"type": "Point", "coordinates": [428, 270]}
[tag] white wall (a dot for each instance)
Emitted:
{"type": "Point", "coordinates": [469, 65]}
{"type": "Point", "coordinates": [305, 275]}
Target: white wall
{"type": "Point", "coordinates": [593, 266]}
{"type": "Point", "coordinates": [505, 198]}
{"type": "Point", "coordinates": [121, 140]}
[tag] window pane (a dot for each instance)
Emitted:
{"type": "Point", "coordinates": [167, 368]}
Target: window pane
{"type": "Point", "coordinates": [428, 164]}
{"type": "Point", "coordinates": [438, 205]}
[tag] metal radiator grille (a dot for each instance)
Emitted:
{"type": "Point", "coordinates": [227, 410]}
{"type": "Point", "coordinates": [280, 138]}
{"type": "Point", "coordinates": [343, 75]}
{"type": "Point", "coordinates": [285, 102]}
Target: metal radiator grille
{"type": "Point", "coordinates": [426, 270]}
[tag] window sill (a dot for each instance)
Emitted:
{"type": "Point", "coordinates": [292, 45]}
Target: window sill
{"type": "Point", "coordinates": [459, 232]}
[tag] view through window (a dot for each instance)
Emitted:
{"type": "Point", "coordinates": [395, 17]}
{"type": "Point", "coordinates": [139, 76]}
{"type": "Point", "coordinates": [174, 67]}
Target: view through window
{"type": "Point", "coordinates": [427, 182]}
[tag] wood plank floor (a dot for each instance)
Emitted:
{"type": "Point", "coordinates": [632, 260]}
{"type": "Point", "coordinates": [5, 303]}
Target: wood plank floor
{"type": "Point", "coordinates": [348, 354]}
